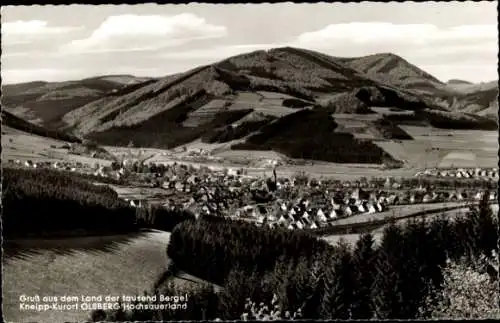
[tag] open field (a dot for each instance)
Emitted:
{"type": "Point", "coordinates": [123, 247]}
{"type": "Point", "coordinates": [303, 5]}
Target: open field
{"type": "Point", "coordinates": [356, 124]}
{"type": "Point", "coordinates": [22, 146]}
{"type": "Point", "coordinates": [445, 148]}
{"type": "Point", "coordinates": [152, 195]}
{"type": "Point", "coordinates": [268, 103]}
{"type": "Point", "coordinates": [391, 111]}
{"type": "Point", "coordinates": [431, 148]}
{"type": "Point", "coordinates": [254, 158]}
{"type": "Point", "coordinates": [90, 266]}
{"type": "Point", "coordinates": [260, 166]}
{"type": "Point", "coordinates": [340, 171]}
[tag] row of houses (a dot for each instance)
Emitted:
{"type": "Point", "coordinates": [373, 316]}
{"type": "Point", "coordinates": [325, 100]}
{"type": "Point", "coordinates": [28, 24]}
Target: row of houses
{"type": "Point", "coordinates": [484, 173]}
{"type": "Point", "coordinates": [64, 165]}
{"type": "Point", "coordinates": [313, 213]}
{"type": "Point", "coordinates": [305, 216]}
{"type": "Point", "coordinates": [73, 166]}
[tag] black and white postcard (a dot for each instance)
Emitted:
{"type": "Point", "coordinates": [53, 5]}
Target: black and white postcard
{"type": "Point", "coordinates": [221, 162]}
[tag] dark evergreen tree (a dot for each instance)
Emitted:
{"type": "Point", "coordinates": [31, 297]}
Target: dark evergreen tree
{"type": "Point", "coordinates": [238, 287]}
{"type": "Point", "coordinates": [483, 228]}
{"type": "Point", "coordinates": [364, 273]}
{"type": "Point", "coordinates": [338, 285]}
{"type": "Point", "coordinates": [387, 288]}
{"type": "Point", "coordinates": [419, 259]}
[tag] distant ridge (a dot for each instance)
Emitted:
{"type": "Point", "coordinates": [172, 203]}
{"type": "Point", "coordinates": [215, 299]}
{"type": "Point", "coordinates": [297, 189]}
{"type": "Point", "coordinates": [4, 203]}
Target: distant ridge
{"type": "Point", "coordinates": [457, 81]}
{"type": "Point", "coordinates": [286, 87]}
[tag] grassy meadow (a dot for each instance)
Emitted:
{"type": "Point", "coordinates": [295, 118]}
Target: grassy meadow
{"type": "Point", "coordinates": [106, 265]}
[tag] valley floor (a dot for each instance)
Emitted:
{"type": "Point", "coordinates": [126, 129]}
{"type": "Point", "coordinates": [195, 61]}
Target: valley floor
{"type": "Point", "coordinates": [431, 148]}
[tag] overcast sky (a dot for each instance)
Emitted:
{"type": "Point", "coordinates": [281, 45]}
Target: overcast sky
{"type": "Point", "coordinates": [56, 43]}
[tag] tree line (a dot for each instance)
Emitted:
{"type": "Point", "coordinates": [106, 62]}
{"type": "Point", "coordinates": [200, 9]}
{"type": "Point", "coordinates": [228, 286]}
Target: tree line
{"type": "Point", "coordinates": [309, 134]}
{"type": "Point", "coordinates": [45, 202]}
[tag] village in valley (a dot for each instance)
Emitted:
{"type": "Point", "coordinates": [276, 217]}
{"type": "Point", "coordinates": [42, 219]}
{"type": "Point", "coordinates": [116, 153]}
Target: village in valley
{"type": "Point", "coordinates": [185, 163]}
{"type": "Point", "coordinates": [298, 202]}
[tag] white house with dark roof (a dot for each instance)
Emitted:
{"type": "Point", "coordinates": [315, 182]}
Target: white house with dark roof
{"type": "Point", "coordinates": [321, 216]}
{"type": "Point", "coordinates": [335, 205]}
{"type": "Point", "coordinates": [282, 219]}
{"type": "Point", "coordinates": [370, 208]}
{"type": "Point", "coordinates": [347, 210]}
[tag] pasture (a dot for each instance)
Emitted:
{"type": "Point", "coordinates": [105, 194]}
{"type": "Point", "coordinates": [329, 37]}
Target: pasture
{"type": "Point", "coordinates": [356, 124]}
{"type": "Point", "coordinates": [153, 195]}
{"type": "Point", "coordinates": [268, 103]}
{"type": "Point", "coordinates": [262, 158]}
{"type": "Point", "coordinates": [135, 153]}
{"type": "Point", "coordinates": [341, 171]}
{"type": "Point", "coordinates": [445, 148]}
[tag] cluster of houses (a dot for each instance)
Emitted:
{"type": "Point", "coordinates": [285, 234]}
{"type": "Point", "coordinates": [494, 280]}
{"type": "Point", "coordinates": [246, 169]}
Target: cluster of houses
{"type": "Point", "coordinates": [293, 203]}
{"type": "Point", "coordinates": [312, 213]}
{"type": "Point", "coordinates": [61, 165]}
{"type": "Point", "coordinates": [230, 193]}
{"type": "Point", "coordinates": [201, 190]}
{"type": "Point", "coordinates": [479, 173]}
{"type": "Point", "coordinates": [96, 169]}
{"type": "Point", "coordinates": [304, 215]}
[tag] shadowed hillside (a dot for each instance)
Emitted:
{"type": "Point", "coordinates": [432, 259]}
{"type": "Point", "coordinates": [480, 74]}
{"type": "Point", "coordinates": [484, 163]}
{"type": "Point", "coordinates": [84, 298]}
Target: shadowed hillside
{"type": "Point", "coordinates": [317, 140]}
{"type": "Point", "coordinates": [12, 121]}
{"type": "Point", "coordinates": [45, 103]}
{"type": "Point", "coordinates": [392, 69]}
